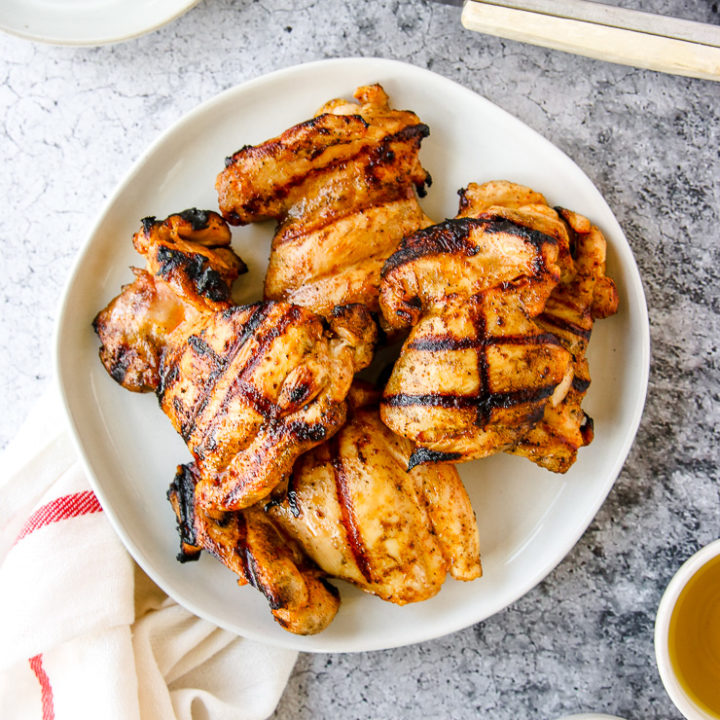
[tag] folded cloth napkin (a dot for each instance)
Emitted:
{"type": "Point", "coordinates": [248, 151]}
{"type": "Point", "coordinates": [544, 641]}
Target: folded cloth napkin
{"type": "Point", "coordinates": [84, 633]}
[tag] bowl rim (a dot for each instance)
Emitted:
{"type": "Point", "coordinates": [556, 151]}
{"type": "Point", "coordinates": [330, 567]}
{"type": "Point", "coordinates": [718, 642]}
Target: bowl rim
{"type": "Point", "coordinates": [682, 701]}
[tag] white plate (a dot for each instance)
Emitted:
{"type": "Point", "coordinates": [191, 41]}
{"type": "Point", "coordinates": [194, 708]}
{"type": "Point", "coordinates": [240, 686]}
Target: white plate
{"type": "Point", "coordinates": [529, 518]}
{"type": "Point", "coordinates": [87, 22]}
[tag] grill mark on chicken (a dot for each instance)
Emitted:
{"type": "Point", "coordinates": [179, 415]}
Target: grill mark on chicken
{"type": "Point", "coordinates": [355, 127]}
{"type": "Point", "coordinates": [167, 380]}
{"type": "Point", "coordinates": [197, 218]}
{"type": "Point", "coordinates": [292, 496]}
{"type": "Point", "coordinates": [203, 349]}
{"type": "Point", "coordinates": [587, 429]}
{"type": "Point", "coordinates": [263, 405]}
{"type": "Point", "coordinates": [486, 402]}
{"type": "Point", "coordinates": [219, 551]}
{"type": "Point", "coordinates": [207, 281]}
{"type": "Point", "coordinates": [190, 417]}
{"type": "Point", "coordinates": [422, 455]}
{"type": "Point", "coordinates": [316, 432]}
{"type": "Point", "coordinates": [249, 565]}
{"type": "Point", "coordinates": [316, 123]}
{"type": "Point", "coordinates": [329, 586]}
{"type": "Point", "coordinates": [453, 236]}
{"type": "Point", "coordinates": [183, 488]}
{"type": "Point", "coordinates": [119, 369]}
{"type": "Point", "coordinates": [571, 232]}
{"type": "Point", "coordinates": [447, 342]}
{"type": "Point", "coordinates": [445, 237]}
{"type": "Point", "coordinates": [376, 156]}
{"type": "Point", "coordinates": [580, 384]}
{"type": "Point", "coordinates": [483, 368]}
{"type": "Point", "coordinates": [171, 376]}
{"type": "Point", "coordinates": [565, 325]}
{"type": "Point", "coordinates": [383, 155]}
{"type": "Point", "coordinates": [274, 602]}
{"type": "Point", "coordinates": [253, 574]}
{"type": "Point", "coordinates": [347, 513]}
{"type": "Point", "coordinates": [499, 224]}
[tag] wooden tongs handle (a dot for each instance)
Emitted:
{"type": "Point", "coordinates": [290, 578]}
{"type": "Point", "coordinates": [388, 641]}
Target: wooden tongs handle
{"type": "Point", "coordinates": [604, 32]}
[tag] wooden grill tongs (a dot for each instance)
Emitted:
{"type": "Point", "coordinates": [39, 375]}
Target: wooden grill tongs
{"type": "Point", "coordinates": [604, 32]}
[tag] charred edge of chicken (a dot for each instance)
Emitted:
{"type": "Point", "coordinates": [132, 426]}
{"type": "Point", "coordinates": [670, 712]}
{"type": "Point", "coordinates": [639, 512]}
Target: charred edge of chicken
{"type": "Point", "coordinates": [181, 495]}
{"type": "Point", "coordinates": [421, 456]}
{"type": "Point", "coordinates": [453, 235]}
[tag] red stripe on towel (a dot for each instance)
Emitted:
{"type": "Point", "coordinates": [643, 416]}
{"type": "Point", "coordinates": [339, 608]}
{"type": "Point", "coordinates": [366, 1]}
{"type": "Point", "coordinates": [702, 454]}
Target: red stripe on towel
{"type": "Point", "coordinates": [48, 704]}
{"type": "Point", "coordinates": [62, 508]}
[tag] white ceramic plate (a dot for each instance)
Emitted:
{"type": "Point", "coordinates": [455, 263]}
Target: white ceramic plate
{"type": "Point", "coordinates": [529, 518]}
{"type": "Point", "coordinates": [87, 22]}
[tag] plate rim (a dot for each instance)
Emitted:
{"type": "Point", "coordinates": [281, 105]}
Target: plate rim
{"type": "Point", "coordinates": [293, 641]}
{"type": "Point", "coordinates": [108, 38]}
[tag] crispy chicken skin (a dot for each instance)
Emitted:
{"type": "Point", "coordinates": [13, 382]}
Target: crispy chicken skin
{"type": "Point", "coordinates": [362, 517]}
{"type": "Point", "coordinates": [189, 271]}
{"type": "Point", "coordinates": [251, 545]}
{"type": "Point", "coordinates": [501, 302]}
{"type": "Point", "coordinates": [476, 371]}
{"type": "Point", "coordinates": [253, 387]}
{"type": "Point", "coordinates": [343, 187]}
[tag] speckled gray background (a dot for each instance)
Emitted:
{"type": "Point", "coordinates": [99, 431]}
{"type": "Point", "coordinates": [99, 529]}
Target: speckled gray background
{"type": "Point", "coordinates": [74, 119]}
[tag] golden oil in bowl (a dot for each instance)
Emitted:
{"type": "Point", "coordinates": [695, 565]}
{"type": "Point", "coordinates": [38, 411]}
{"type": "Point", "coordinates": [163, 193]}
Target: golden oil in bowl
{"type": "Point", "coordinates": [694, 638]}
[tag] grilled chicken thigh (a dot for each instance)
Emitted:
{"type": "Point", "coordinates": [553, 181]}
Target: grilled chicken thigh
{"type": "Point", "coordinates": [362, 517]}
{"type": "Point", "coordinates": [190, 269]}
{"type": "Point", "coordinates": [249, 388]}
{"type": "Point", "coordinates": [254, 387]}
{"type": "Point", "coordinates": [259, 553]}
{"type": "Point", "coordinates": [343, 187]}
{"type": "Point", "coordinates": [476, 371]}
{"type": "Point", "coordinates": [502, 300]}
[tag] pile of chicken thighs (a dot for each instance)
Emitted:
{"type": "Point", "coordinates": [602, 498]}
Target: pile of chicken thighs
{"type": "Point", "coordinates": [300, 471]}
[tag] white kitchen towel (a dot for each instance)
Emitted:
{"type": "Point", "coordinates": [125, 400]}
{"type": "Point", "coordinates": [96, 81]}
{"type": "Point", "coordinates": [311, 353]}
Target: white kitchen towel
{"type": "Point", "coordinates": [84, 633]}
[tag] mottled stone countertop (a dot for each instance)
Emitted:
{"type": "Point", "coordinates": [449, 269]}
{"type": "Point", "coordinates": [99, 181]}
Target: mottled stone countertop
{"type": "Point", "coordinates": [73, 121]}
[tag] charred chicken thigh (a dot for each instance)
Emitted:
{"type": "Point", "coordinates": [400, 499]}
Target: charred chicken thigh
{"type": "Point", "coordinates": [496, 358]}
{"type": "Point", "coordinates": [249, 388]}
{"type": "Point", "coordinates": [343, 187]}
{"type": "Point", "coordinates": [362, 517]}
{"type": "Point", "coordinates": [259, 553]}
{"type": "Point", "coordinates": [254, 387]}
{"type": "Point", "coordinates": [476, 371]}
{"type": "Point", "coordinates": [349, 510]}
{"type": "Point", "coordinates": [570, 314]}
